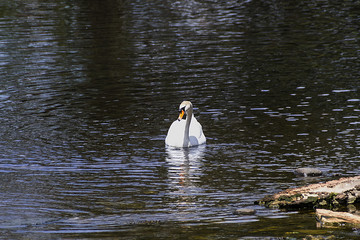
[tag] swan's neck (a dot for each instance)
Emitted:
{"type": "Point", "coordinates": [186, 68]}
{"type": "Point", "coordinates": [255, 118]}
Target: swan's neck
{"type": "Point", "coordinates": [187, 128]}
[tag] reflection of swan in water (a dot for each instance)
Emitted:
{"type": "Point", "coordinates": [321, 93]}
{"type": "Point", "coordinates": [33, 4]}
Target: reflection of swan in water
{"type": "Point", "coordinates": [184, 172]}
{"type": "Point", "coordinates": [184, 165]}
{"type": "Point", "coordinates": [186, 131]}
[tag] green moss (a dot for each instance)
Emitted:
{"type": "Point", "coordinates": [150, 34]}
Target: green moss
{"type": "Point", "coordinates": [298, 195]}
{"type": "Point", "coordinates": [323, 203]}
{"type": "Point", "coordinates": [312, 200]}
{"type": "Point", "coordinates": [332, 195]}
{"type": "Point", "coordinates": [286, 198]}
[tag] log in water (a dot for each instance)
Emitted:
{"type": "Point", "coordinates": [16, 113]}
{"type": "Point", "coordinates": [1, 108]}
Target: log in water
{"type": "Point", "coordinates": [330, 194]}
{"type": "Point", "coordinates": [328, 218]}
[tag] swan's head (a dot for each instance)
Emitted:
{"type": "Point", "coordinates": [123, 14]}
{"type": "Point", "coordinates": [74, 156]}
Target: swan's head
{"type": "Point", "coordinates": [185, 109]}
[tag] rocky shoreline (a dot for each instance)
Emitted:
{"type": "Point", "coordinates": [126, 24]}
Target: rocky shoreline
{"type": "Point", "coordinates": [331, 195]}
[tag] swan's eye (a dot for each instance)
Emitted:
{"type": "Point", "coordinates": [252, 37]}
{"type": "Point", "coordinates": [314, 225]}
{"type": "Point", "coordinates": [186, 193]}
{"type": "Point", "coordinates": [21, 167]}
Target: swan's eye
{"type": "Point", "coordinates": [182, 114]}
{"type": "Point", "coordinates": [182, 109]}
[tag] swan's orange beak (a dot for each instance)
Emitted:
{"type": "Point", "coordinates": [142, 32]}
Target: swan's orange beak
{"type": "Point", "coordinates": [181, 115]}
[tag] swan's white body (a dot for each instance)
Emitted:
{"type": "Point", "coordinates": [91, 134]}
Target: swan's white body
{"type": "Point", "coordinates": [185, 132]}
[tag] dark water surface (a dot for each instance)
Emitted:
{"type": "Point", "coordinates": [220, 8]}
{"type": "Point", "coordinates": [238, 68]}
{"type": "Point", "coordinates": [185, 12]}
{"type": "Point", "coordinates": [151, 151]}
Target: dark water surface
{"type": "Point", "coordinates": [89, 89]}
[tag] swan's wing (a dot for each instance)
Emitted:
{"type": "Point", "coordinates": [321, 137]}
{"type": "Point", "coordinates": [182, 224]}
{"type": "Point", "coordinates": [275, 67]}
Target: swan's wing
{"type": "Point", "coordinates": [196, 131]}
{"type": "Point", "coordinates": [175, 135]}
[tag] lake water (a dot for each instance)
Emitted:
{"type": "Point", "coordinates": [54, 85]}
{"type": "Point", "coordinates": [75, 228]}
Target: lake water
{"type": "Point", "coordinates": [88, 90]}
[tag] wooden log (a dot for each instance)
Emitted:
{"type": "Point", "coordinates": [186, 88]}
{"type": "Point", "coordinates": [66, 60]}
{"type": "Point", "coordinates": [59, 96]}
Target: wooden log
{"type": "Point", "coordinates": [328, 218]}
{"type": "Point", "coordinates": [326, 195]}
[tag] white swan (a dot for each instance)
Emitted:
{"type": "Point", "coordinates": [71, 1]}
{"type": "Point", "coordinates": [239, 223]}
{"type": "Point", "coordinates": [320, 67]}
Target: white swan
{"type": "Point", "coordinates": [186, 131]}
